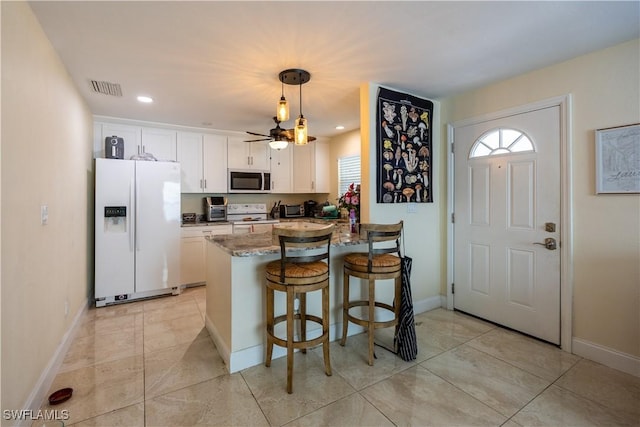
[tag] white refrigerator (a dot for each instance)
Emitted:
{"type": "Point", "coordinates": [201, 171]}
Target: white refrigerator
{"type": "Point", "coordinates": [137, 230]}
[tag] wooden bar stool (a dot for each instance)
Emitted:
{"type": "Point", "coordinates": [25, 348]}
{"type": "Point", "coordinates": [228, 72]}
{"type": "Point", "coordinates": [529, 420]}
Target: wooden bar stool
{"type": "Point", "coordinates": [303, 267]}
{"type": "Point", "coordinates": [381, 262]}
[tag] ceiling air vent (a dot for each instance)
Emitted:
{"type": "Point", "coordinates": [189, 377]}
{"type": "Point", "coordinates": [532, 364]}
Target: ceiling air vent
{"type": "Point", "coordinates": [106, 88]}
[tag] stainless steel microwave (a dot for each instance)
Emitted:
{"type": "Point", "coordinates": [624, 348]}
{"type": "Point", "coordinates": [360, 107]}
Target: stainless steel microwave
{"type": "Point", "coordinates": [249, 181]}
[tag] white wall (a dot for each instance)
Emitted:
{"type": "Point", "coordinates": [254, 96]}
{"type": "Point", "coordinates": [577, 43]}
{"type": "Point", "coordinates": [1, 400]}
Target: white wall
{"type": "Point", "coordinates": [605, 89]}
{"type": "Point", "coordinates": [423, 235]}
{"type": "Point", "coordinates": [46, 160]}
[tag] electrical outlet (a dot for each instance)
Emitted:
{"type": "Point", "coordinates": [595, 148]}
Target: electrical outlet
{"type": "Point", "coordinates": [44, 214]}
{"type": "Point", "coordinates": [412, 208]}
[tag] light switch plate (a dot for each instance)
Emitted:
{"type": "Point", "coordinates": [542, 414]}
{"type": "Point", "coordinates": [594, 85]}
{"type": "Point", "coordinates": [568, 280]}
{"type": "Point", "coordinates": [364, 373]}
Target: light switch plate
{"type": "Point", "coordinates": [44, 214]}
{"type": "Point", "coordinates": [412, 208]}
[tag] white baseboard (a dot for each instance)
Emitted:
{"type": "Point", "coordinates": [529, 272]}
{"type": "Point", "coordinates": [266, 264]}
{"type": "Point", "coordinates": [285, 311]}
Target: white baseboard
{"type": "Point", "coordinates": [430, 303]}
{"type": "Point", "coordinates": [612, 358]}
{"type": "Point", "coordinates": [223, 350]}
{"type": "Point", "coordinates": [39, 391]}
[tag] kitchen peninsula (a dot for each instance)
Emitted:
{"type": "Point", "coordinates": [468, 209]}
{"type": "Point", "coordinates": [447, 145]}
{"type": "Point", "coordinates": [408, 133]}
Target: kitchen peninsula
{"type": "Point", "coordinates": [235, 313]}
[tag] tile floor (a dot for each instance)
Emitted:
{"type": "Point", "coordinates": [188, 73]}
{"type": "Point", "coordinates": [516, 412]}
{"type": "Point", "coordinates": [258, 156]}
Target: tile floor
{"type": "Point", "coordinates": [152, 363]}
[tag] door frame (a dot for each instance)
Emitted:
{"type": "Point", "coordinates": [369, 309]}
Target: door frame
{"type": "Point", "coordinates": [566, 203]}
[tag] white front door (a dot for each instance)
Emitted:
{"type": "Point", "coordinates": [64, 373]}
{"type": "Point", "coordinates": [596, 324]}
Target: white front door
{"type": "Point", "coordinates": [506, 201]}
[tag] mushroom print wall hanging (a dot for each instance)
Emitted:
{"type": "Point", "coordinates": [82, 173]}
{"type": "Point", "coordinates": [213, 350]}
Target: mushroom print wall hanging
{"type": "Point", "coordinates": [403, 144]}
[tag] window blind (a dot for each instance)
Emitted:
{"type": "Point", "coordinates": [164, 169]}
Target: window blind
{"type": "Point", "coordinates": [348, 172]}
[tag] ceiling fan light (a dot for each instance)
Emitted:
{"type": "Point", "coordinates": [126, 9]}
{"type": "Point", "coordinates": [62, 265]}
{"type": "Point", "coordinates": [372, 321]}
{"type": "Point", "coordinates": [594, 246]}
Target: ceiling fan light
{"type": "Point", "coordinates": [283, 110]}
{"type": "Point", "coordinates": [278, 144]}
{"type": "Point", "coordinates": [300, 131]}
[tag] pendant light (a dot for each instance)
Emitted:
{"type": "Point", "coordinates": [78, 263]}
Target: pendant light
{"type": "Point", "coordinates": [296, 76]}
{"type": "Point", "coordinates": [282, 112]}
{"type": "Point", "coordinates": [300, 131]}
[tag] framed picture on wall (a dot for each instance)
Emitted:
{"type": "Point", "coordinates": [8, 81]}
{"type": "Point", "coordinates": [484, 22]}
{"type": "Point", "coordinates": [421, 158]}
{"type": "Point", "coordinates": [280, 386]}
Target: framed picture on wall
{"type": "Point", "coordinates": [403, 148]}
{"type": "Point", "coordinates": [618, 159]}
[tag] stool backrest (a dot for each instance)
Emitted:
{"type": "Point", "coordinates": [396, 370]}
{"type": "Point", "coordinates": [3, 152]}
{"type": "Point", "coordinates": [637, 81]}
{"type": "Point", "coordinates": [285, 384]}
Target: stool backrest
{"type": "Point", "coordinates": [297, 245]}
{"type": "Point", "coordinates": [377, 234]}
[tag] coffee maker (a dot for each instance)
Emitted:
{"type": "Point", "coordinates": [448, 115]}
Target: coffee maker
{"type": "Point", "coordinates": [215, 208]}
{"type": "Point", "coordinates": [310, 207]}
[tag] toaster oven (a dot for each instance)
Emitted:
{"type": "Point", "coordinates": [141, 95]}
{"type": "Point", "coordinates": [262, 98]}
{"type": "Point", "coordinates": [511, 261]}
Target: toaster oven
{"type": "Point", "coordinates": [291, 211]}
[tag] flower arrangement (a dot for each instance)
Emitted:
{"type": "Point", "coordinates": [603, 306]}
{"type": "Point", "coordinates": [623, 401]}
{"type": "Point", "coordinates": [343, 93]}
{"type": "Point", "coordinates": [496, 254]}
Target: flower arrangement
{"type": "Point", "coordinates": [350, 200]}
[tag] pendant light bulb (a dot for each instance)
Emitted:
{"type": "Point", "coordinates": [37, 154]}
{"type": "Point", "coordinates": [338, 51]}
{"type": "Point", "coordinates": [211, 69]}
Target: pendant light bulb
{"type": "Point", "coordinates": [282, 113]}
{"type": "Point", "coordinates": [301, 132]}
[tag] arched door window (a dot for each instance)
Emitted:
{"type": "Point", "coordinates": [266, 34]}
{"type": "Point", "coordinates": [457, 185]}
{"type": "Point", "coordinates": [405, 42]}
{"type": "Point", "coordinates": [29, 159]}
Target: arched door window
{"type": "Point", "coordinates": [501, 141]}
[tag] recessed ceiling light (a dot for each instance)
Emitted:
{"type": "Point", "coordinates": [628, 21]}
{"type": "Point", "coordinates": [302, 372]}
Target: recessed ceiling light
{"type": "Point", "coordinates": [339, 127]}
{"type": "Point", "coordinates": [145, 99]}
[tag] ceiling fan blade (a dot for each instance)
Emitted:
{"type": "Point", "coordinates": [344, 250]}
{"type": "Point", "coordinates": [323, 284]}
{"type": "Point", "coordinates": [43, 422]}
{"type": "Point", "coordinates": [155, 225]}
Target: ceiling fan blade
{"type": "Point", "coordinates": [257, 134]}
{"type": "Point", "coordinates": [256, 140]}
{"type": "Point", "coordinates": [289, 135]}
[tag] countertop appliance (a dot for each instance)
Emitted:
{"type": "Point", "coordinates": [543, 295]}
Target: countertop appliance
{"type": "Point", "coordinates": [215, 209]}
{"type": "Point", "coordinates": [249, 217]}
{"type": "Point", "coordinates": [137, 230]}
{"type": "Point", "coordinates": [310, 207]}
{"type": "Point", "coordinates": [291, 211]}
{"type": "Point", "coordinates": [249, 181]}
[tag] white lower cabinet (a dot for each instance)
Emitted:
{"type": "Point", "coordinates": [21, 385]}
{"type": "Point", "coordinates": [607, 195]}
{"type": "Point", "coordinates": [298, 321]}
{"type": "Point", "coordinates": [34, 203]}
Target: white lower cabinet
{"type": "Point", "coordinates": [193, 246]}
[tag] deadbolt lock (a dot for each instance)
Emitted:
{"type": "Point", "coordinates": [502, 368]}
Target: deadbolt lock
{"type": "Point", "coordinates": [550, 227]}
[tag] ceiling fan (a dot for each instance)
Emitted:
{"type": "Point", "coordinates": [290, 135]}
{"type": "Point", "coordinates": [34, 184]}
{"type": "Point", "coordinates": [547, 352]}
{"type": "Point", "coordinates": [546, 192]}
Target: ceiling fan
{"type": "Point", "coordinates": [277, 134]}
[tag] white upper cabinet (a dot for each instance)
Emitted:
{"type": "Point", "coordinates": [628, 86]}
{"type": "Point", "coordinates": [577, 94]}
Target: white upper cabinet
{"type": "Point", "coordinates": [159, 142]}
{"type": "Point", "coordinates": [138, 140]}
{"type": "Point", "coordinates": [203, 161]}
{"type": "Point", "coordinates": [311, 168]}
{"type": "Point", "coordinates": [130, 134]}
{"type": "Point", "coordinates": [247, 155]}
{"type": "Point", "coordinates": [214, 161]}
{"type": "Point", "coordinates": [190, 158]}
{"type": "Point", "coordinates": [281, 170]}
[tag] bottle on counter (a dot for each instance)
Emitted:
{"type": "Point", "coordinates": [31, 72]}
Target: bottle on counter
{"type": "Point", "coordinates": [352, 221]}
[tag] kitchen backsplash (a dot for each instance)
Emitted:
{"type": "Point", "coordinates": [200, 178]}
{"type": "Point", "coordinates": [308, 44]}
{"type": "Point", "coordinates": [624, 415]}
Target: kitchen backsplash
{"type": "Point", "coordinates": [193, 202]}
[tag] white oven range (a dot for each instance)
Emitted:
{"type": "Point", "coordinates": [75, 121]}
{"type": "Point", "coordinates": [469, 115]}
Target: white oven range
{"type": "Point", "coordinates": [249, 218]}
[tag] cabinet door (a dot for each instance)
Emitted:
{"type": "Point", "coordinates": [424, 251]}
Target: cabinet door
{"type": "Point", "coordinates": [303, 168]}
{"type": "Point", "coordinates": [281, 162]}
{"type": "Point", "coordinates": [322, 167]}
{"type": "Point", "coordinates": [159, 142]}
{"type": "Point", "coordinates": [130, 134]}
{"type": "Point", "coordinates": [259, 153]}
{"type": "Point", "coordinates": [190, 158]}
{"type": "Point", "coordinates": [192, 267]}
{"type": "Point", "coordinates": [238, 156]}
{"type": "Point", "coordinates": [214, 151]}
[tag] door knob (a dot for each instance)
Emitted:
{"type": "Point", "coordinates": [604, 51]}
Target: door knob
{"type": "Point", "coordinates": [549, 243]}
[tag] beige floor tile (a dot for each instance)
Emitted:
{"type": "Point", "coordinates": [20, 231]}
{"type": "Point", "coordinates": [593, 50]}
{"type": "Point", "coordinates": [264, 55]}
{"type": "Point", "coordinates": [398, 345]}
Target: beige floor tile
{"type": "Point", "coordinates": [181, 366]}
{"type": "Point", "coordinates": [182, 308]}
{"type": "Point", "coordinates": [312, 389]}
{"type": "Point", "coordinates": [115, 310]}
{"type": "Point", "coordinates": [131, 416]}
{"type": "Point", "coordinates": [100, 325]}
{"type": "Point", "coordinates": [418, 397]}
{"type": "Point", "coordinates": [164, 302]}
{"type": "Point", "coordinates": [170, 333]}
{"type": "Point", "coordinates": [98, 348]}
{"type": "Point", "coordinates": [609, 387]}
{"type": "Point", "coordinates": [222, 401]}
{"type": "Point", "coordinates": [101, 388]}
{"type": "Point", "coordinates": [349, 411]}
{"type": "Point", "coordinates": [535, 357]}
{"type": "Point", "coordinates": [503, 387]}
{"type": "Point", "coordinates": [453, 324]}
{"type": "Point", "coordinates": [351, 361]}
{"type": "Point", "coordinates": [559, 407]}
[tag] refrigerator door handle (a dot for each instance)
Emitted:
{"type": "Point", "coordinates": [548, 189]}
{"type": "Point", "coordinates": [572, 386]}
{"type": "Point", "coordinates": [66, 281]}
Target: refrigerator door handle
{"type": "Point", "coordinates": [137, 199]}
{"type": "Point", "coordinates": [131, 217]}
